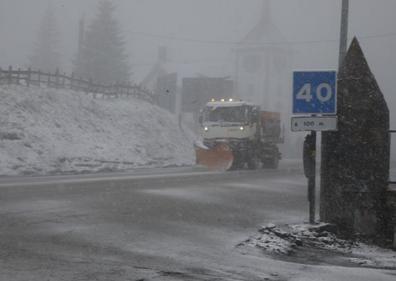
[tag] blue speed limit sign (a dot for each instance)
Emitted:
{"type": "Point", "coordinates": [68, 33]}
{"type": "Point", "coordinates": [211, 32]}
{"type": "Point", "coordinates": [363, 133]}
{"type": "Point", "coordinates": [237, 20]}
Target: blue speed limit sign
{"type": "Point", "coordinates": [314, 92]}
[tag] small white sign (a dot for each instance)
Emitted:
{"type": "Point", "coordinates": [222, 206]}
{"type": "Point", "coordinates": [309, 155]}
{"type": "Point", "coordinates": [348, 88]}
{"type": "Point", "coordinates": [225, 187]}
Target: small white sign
{"type": "Point", "coordinates": [315, 123]}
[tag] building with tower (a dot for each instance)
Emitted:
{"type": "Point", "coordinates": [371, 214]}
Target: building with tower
{"type": "Point", "coordinates": [263, 65]}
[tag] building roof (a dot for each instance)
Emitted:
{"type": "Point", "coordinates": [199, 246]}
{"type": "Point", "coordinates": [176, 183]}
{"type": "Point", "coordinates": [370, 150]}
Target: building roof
{"type": "Point", "coordinates": [264, 32]}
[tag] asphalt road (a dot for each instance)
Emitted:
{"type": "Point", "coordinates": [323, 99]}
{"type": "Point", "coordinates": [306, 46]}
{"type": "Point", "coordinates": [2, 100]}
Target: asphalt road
{"type": "Point", "coordinates": [177, 224]}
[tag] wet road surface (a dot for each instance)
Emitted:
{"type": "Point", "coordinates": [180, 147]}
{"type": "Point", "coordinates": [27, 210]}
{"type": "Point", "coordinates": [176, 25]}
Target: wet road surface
{"type": "Point", "coordinates": [177, 225]}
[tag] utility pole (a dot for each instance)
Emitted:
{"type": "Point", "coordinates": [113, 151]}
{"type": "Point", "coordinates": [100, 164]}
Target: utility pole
{"type": "Point", "coordinates": [344, 31]}
{"type": "Point", "coordinates": [326, 143]}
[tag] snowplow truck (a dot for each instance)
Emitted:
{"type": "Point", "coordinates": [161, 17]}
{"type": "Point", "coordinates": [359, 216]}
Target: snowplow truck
{"type": "Point", "coordinates": [237, 134]}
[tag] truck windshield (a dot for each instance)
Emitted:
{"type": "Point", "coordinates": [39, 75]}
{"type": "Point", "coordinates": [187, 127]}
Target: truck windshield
{"type": "Point", "coordinates": [235, 114]}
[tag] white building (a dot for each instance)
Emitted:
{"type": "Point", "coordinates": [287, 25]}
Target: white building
{"type": "Point", "coordinates": [263, 66]}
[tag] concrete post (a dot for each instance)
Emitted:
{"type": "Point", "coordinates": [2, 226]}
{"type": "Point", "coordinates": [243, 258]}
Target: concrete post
{"type": "Point", "coordinates": [355, 159]}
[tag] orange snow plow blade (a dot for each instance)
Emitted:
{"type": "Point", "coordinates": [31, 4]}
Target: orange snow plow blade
{"type": "Point", "coordinates": [219, 158]}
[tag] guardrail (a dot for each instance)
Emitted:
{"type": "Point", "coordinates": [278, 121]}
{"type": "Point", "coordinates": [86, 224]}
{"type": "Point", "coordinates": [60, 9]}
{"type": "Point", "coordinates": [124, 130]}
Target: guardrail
{"type": "Point", "coordinates": [62, 81]}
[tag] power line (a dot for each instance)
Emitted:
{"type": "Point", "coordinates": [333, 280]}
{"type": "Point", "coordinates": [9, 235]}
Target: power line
{"type": "Point", "coordinates": [257, 44]}
{"type": "Point", "coordinates": [185, 62]}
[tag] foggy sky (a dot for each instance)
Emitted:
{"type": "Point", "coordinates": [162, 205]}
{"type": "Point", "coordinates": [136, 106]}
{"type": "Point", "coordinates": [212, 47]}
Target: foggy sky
{"type": "Point", "coordinates": [147, 24]}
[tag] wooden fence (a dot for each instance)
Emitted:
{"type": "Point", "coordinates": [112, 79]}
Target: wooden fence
{"type": "Point", "coordinates": [62, 81]}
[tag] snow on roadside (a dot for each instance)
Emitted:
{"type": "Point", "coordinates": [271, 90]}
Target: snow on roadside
{"type": "Point", "coordinates": [373, 256]}
{"type": "Point", "coordinates": [45, 130]}
{"type": "Point", "coordinates": [289, 239]}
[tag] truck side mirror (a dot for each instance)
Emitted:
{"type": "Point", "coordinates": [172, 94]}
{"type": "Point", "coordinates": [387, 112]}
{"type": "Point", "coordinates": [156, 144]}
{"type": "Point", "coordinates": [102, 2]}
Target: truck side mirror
{"type": "Point", "coordinates": [200, 119]}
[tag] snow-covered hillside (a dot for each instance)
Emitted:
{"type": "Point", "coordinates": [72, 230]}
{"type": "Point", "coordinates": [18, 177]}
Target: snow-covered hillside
{"type": "Point", "coordinates": [52, 131]}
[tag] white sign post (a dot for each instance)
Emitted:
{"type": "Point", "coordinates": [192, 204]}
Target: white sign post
{"type": "Point", "coordinates": [314, 93]}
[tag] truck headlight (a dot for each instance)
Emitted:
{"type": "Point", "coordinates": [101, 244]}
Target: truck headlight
{"type": "Point", "coordinates": [242, 128]}
{"type": "Point", "coordinates": [206, 129]}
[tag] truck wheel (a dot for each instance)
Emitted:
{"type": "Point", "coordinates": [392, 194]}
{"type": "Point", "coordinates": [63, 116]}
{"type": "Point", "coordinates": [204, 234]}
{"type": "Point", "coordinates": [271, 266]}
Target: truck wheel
{"type": "Point", "coordinates": [237, 165]}
{"type": "Point", "coordinates": [253, 163]}
{"type": "Point", "coordinates": [272, 163]}
{"type": "Point", "coordinates": [275, 163]}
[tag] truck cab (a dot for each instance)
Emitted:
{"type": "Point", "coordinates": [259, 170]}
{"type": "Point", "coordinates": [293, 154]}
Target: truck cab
{"type": "Point", "coordinates": [229, 120]}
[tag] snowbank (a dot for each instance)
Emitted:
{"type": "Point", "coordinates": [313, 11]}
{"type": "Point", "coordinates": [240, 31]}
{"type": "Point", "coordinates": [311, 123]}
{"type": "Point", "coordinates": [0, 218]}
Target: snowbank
{"type": "Point", "coordinates": [319, 240]}
{"type": "Point", "coordinates": [46, 131]}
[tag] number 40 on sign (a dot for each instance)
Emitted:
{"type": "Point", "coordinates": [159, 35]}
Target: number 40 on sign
{"type": "Point", "coordinates": [314, 92]}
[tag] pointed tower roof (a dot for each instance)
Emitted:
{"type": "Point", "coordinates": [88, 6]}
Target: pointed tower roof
{"type": "Point", "coordinates": [264, 31]}
{"type": "Point", "coordinates": [266, 12]}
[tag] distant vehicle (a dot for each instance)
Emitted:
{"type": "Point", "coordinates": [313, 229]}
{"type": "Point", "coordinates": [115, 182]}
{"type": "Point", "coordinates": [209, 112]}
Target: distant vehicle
{"type": "Point", "coordinates": [236, 134]}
